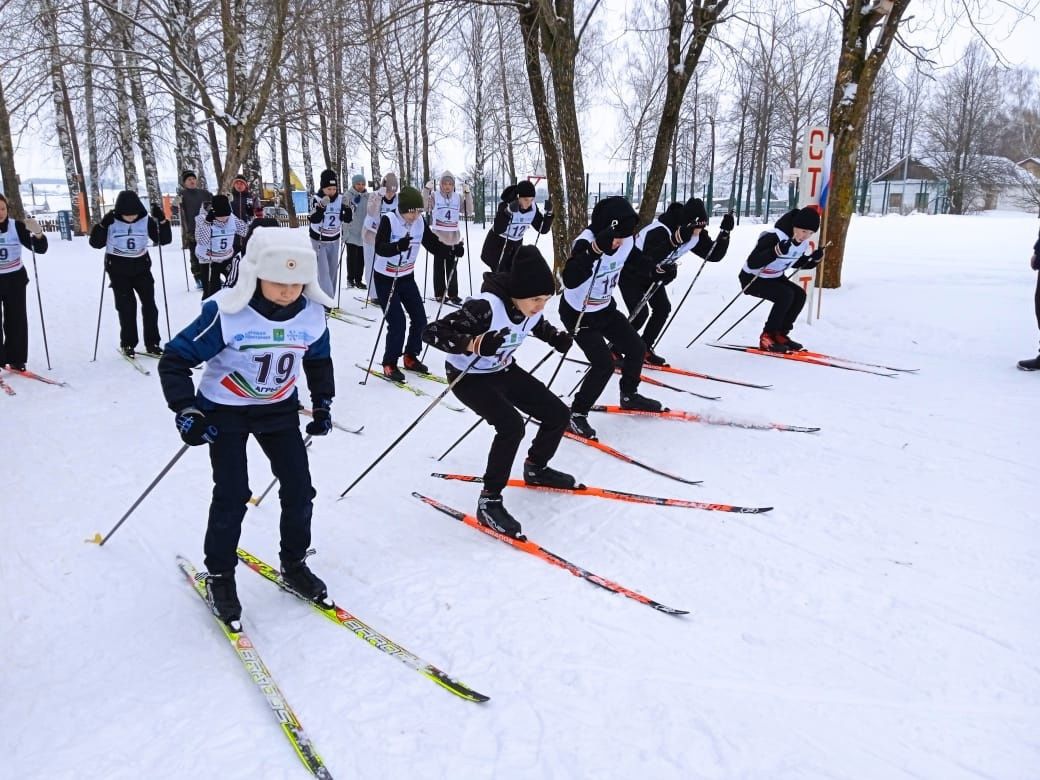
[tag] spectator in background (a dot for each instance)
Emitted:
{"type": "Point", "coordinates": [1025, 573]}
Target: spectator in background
{"type": "Point", "coordinates": [1033, 364]}
{"type": "Point", "coordinates": [244, 204]}
{"type": "Point", "coordinates": [192, 200]}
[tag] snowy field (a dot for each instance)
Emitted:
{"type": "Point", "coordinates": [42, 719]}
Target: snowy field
{"type": "Point", "coordinates": [881, 622]}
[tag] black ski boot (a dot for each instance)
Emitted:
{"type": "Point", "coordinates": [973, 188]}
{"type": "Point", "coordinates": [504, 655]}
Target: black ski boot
{"type": "Point", "coordinates": [300, 578]}
{"type": "Point", "coordinates": [412, 363]}
{"type": "Point", "coordinates": [155, 350]}
{"type": "Point", "coordinates": [653, 359]}
{"type": "Point", "coordinates": [579, 426]}
{"type": "Point", "coordinates": [491, 513]}
{"type": "Point", "coordinates": [223, 597]}
{"type": "Point", "coordinates": [1030, 365]}
{"type": "Point", "coordinates": [544, 476]}
{"type": "Point", "coordinates": [639, 403]}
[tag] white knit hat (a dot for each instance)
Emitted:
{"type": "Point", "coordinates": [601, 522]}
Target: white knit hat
{"type": "Point", "coordinates": [278, 255]}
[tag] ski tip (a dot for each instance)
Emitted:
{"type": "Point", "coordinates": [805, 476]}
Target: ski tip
{"type": "Point", "coordinates": [669, 610]}
{"type": "Point", "coordinates": [95, 539]}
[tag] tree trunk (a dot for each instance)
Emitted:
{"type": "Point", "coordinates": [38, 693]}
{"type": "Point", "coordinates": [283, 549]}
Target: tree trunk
{"type": "Point", "coordinates": [858, 65]}
{"type": "Point", "coordinates": [506, 108]}
{"type": "Point", "coordinates": [319, 104]}
{"type": "Point", "coordinates": [7, 168]}
{"type": "Point", "coordinates": [373, 96]}
{"type": "Point", "coordinates": [283, 142]}
{"type": "Point", "coordinates": [94, 213]}
{"type": "Point", "coordinates": [424, 128]}
{"type": "Point", "coordinates": [144, 125]}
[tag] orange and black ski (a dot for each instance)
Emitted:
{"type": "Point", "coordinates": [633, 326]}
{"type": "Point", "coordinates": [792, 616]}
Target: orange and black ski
{"type": "Point", "coordinates": [628, 458]}
{"type": "Point", "coordinates": [804, 357]}
{"type": "Point", "coordinates": [619, 495]}
{"type": "Point", "coordinates": [677, 414]}
{"type": "Point", "coordinates": [529, 547]}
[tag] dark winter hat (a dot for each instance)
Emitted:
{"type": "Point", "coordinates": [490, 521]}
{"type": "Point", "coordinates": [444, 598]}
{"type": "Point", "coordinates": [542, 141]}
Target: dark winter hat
{"type": "Point", "coordinates": [408, 199]}
{"type": "Point", "coordinates": [187, 175]}
{"type": "Point", "coordinates": [807, 218]}
{"type": "Point", "coordinates": [672, 217]}
{"type": "Point", "coordinates": [221, 206]}
{"type": "Point", "coordinates": [328, 179]}
{"type": "Point", "coordinates": [694, 211]}
{"type": "Point", "coordinates": [530, 275]}
{"type": "Point", "coordinates": [524, 189]}
{"type": "Point", "coordinates": [241, 177]}
{"type": "Point", "coordinates": [357, 178]}
{"type": "Point", "coordinates": [127, 204]}
{"type": "Point", "coordinates": [614, 212]}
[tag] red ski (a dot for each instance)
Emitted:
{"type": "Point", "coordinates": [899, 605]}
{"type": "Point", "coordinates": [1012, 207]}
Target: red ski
{"type": "Point", "coordinates": [823, 356]}
{"type": "Point", "coordinates": [628, 458]}
{"type": "Point", "coordinates": [619, 495]}
{"type": "Point", "coordinates": [33, 375]}
{"type": "Point", "coordinates": [658, 383]}
{"type": "Point", "coordinates": [541, 553]}
{"type": "Point", "coordinates": [800, 357]}
{"type": "Point", "coordinates": [677, 414]}
{"type": "Point", "coordinates": [684, 372]}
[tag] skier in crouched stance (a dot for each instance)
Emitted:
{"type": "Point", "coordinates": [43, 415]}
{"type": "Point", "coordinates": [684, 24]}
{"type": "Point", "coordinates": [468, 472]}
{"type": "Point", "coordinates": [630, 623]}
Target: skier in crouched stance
{"type": "Point", "coordinates": [255, 338]}
{"type": "Point", "coordinates": [482, 337]}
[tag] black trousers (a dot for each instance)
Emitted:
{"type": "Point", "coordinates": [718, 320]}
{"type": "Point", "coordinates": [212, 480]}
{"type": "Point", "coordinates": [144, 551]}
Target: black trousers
{"type": "Point", "coordinates": [654, 313]}
{"type": "Point", "coordinates": [496, 397]}
{"type": "Point", "coordinates": [788, 299]}
{"type": "Point", "coordinates": [497, 253]}
{"type": "Point", "coordinates": [130, 280]}
{"type": "Point", "coordinates": [600, 332]}
{"type": "Point", "coordinates": [214, 275]}
{"type": "Point", "coordinates": [14, 318]}
{"type": "Point", "coordinates": [406, 298]}
{"type": "Point", "coordinates": [288, 456]}
{"type": "Point", "coordinates": [193, 261]}
{"type": "Point", "coordinates": [355, 265]}
{"type": "Point", "coordinates": [1036, 300]}
{"type": "Point", "coordinates": [445, 273]}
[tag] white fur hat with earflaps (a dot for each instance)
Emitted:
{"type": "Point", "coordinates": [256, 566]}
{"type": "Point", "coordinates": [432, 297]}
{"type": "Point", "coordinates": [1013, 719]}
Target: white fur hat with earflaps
{"type": "Point", "coordinates": [278, 255]}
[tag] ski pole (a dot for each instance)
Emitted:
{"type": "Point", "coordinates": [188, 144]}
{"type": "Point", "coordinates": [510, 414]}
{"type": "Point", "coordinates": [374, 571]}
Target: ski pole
{"type": "Point", "coordinates": [382, 322]}
{"type": "Point", "coordinates": [724, 308]}
{"type": "Point", "coordinates": [162, 276]}
{"type": "Point", "coordinates": [256, 501]}
{"type": "Point", "coordinates": [101, 300]}
{"type": "Point", "coordinates": [339, 274]}
{"type": "Point", "coordinates": [184, 265]}
{"type": "Point", "coordinates": [39, 300]}
{"type": "Point", "coordinates": [465, 223]}
{"type": "Point", "coordinates": [98, 539]}
{"type": "Point", "coordinates": [681, 302]}
{"type": "Point", "coordinates": [577, 325]}
{"type": "Point", "coordinates": [440, 304]}
{"type": "Point", "coordinates": [409, 429]}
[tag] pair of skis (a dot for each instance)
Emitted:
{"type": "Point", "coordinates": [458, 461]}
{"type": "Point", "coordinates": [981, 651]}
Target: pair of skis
{"type": "Point", "coordinates": [133, 361]}
{"type": "Point", "coordinates": [822, 359]}
{"type": "Point", "coordinates": [417, 391]}
{"type": "Point", "coordinates": [349, 317]}
{"type": "Point", "coordinates": [29, 375]}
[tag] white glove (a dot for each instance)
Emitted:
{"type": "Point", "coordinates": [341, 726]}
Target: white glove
{"type": "Point", "coordinates": [429, 185]}
{"type": "Point", "coordinates": [324, 201]}
{"type": "Point", "coordinates": [33, 227]}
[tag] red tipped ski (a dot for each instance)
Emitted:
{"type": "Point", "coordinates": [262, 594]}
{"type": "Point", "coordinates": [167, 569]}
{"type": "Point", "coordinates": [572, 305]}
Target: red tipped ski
{"type": "Point", "coordinates": [619, 495]}
{"type": "Point", "coordinates": [33, 375]}
{"type": "Point", "coordinates": [541, 553]}
{"type": "Point", "coordinates": [684, 372]}
{"type": "Point", "coordinates": [678, 414]}
{"type": "Point", "coordinates": [800, 357]}
{"type": "Point", "coordinates": [628, 458]}
{"type": "Point", "coordinates": [658, 383]}
{"type": "Point", "coordinates": [857, 362]}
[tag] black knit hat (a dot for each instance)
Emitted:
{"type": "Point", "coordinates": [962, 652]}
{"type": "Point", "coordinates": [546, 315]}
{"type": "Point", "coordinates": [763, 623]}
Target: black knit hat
{"type": "Point", "coordinates": [530, 275]}
{"type": "Point", "coordinates": [127, 204]}
{"type": "Point", "coordinates": [525, 189]}
{"type": "Point", "coordinates": [187, 174]}
{"type": "Point", "coordinates": [221, 206]}
{"type": "Point", "coordinates": [241, 177]}
{"type": "Point", "coordinates": [695, 212]}
{"type": "Point", "coordinates": [328, 179]}
{"type": "Point", "coordinates": [615, 212]}
{"type": "Point", "coordinates": [807, 218]}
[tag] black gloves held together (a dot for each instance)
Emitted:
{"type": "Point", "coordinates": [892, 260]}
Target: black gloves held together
{"type": "Point", "coordinates": [489, 343]}
{"type": "Point", "coordinates": [404, 244]}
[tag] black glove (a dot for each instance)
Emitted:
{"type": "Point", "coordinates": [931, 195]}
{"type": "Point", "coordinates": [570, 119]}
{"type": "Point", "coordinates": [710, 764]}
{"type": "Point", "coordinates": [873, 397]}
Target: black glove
{"type": "Point", "coordinates": [509, 193]}
{"type": "Point", "coordinates": [347, 215]}
{"type": "Point", "coordinates": [492, 341]}
{"type": "Point", "coordinates": [459, 250]}
{"type": "Point", "coordinates": [685, 233]}
{"type": "Point", "coordinates": [514, 205]}
{"type": "Point", "coordinates": [727, 223]}
{"type": "Point", "coordinates": [817, 256]}
{"type": "Point", "coordinates": [605, 240]}
{"type": "Point", "coordinates": [109, 219]}
{"type": "Point", "coordinates": [783, 247]}
{"type": "Point", "coordinates": [562, 341]}
{"type": "Point", "coordinates": [547, 207]}
{"type": "Point", "coordinates": [210, 216]}
{"type": "Point", "coordinates": [665, 274]}
{"type": "Point", "coordinates": [191, 424]}
{"type": "Point", "coordinates": [404, 244]}
{"type": "Point", "coordinates": [157, 213]}
{"type": "Point", "coordinates": [321, 422]}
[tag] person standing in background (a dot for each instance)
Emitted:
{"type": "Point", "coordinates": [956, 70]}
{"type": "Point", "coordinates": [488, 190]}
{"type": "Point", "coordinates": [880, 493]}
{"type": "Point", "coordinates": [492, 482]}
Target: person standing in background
{"type": "Point", "coordinates": [192, 201]}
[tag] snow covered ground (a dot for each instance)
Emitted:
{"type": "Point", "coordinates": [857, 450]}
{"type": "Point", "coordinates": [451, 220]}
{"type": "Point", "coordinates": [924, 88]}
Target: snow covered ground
{"type": "Point", "coordinates": [881, 622]}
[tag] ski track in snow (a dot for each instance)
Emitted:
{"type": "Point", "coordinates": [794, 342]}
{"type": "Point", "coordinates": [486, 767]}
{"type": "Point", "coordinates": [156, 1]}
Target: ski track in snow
{"type": "Point", "coordinates": [881, 622]}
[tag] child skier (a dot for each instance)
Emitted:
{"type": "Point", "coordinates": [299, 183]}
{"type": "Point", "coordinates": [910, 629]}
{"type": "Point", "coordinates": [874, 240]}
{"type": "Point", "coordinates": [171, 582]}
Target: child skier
{"type": "Point", "coordinates": [14, 334]}
{"type": "Point", "coordinates": [516, 212]}
{"type": "Point", "coordinates": [397, 247]}
{"type": "Point", "coordinates": [218, 238]}
{"type": "Point", "coordinates": [384, 202]}
{"type": "Point", "coordinates": [480, 338]}
{"type": "Point", "coordinates": [357, 199]}
{"type": "Point", "coordinates": [762, 276]}
{"type": "Point", "coordinates": [445, 206]}
{"type": "Point", "coordinates": [680, 229]}
{"type": "Point", "coordinates": [598, 256]}
{"type": "Point", "coordinates": [255, 338]}
{"type": "Point", "coordinates": [328, 213]}
{"type": "Point", "coordinates": [1033, 364]}
{"type": "Point", "coordinates": [124, 233]}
